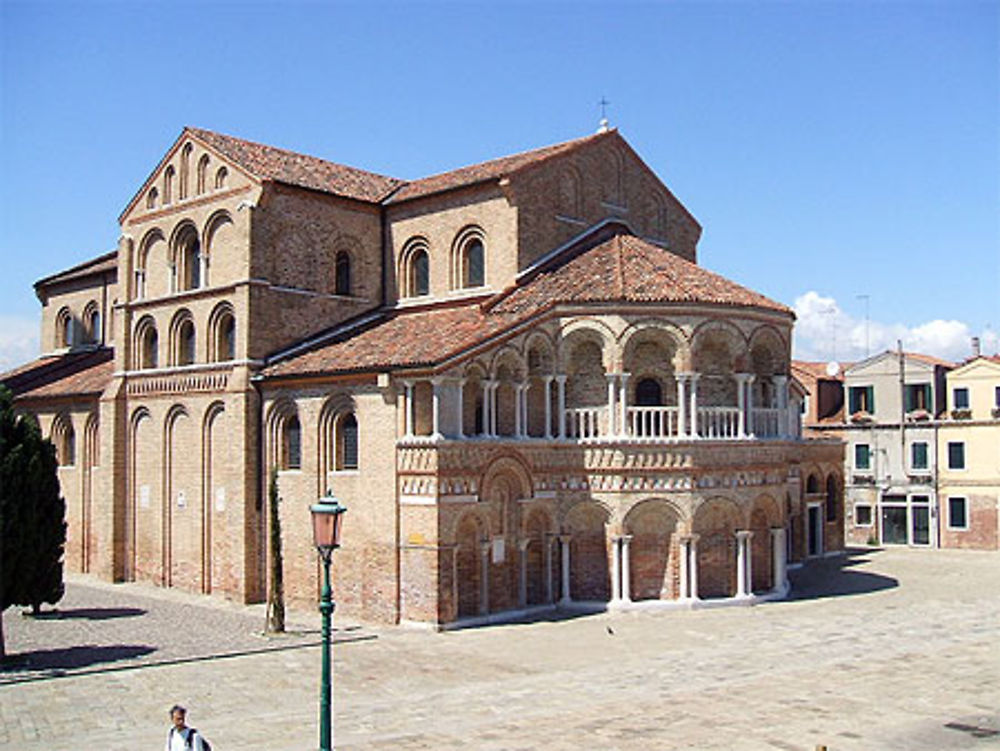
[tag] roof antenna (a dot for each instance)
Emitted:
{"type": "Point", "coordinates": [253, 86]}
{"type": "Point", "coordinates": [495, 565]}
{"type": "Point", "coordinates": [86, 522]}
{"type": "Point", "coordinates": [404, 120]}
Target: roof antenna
{"type": "Point", "coordinates": [603, 127]}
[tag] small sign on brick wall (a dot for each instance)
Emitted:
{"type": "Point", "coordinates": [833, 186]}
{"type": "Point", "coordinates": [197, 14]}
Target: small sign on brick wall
{"type": "Point", "coordinates": [220, 499]}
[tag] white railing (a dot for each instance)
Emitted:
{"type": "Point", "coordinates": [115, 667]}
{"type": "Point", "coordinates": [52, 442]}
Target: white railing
{"type": "Point", "coordinates": [766, 422]}
{"type": "Point", "coordinates": [653, 422]}
{"type": "Point", "coordinates": [584, 422]}
{"type": "Point", "coordinates": [718, 422]}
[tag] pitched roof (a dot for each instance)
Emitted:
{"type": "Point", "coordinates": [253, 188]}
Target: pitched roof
{"type": "Point", "coordinates": [619, 269]}
{"type": "Point", "coordinates": [491, 170]}
{"type": "Point", "coordinates": [814, 370]}
{"type": "Point", "coordinates": [625, 268]}
{"type": "Point", "coordinates": [71, 374]}
{"type": "Point", "coordinates": [103, 264]}
{"type": "Point", "coordinates": [271, 163]}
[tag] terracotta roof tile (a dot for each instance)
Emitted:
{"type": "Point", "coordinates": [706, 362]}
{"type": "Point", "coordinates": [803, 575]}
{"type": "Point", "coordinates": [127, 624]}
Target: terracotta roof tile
{"type": "Point", "coordinates": [491, 170]}
{"type": "Point", "coordinates": [628, 269]}
{"type": "Point", "coordinates": [75, 373]}
{"type": "Point", "coordinates": [621, 269]}
{"type": "Point", "coordinates": [100, 265]}
{"type": "Point", "coordinates": [280, 165]}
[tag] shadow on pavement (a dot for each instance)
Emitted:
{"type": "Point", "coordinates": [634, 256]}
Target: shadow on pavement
{"type": "Point", "coordinates": [834, 577]}
{"type": "Point", "coordinates": [90, 614]}
{"type": "Point", "coordinates": [72, 658]}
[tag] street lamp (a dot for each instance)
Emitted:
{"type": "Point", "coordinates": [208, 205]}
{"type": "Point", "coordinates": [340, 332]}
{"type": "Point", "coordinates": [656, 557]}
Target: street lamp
{"type": "Point", "coordinates": [327, 515]}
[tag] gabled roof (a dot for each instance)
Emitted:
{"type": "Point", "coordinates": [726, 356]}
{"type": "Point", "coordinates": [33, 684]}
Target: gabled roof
{"type": "Point", "coordinates": [990, 362]}
{"type": "Point", "coordinates": [103, 264]}
{"type": "Point", "coordinates": [915, 357]}
{"type": "Point", "coordinates": [271, 163]}
{"type": "Point", "coordinates": [620, 269]}
{"type": "Point", "coordinates": [813, 370]}
{"type": "Point", "coordinates": [72, 374]}
{"type": "Point", "coordinates": [485, 171]}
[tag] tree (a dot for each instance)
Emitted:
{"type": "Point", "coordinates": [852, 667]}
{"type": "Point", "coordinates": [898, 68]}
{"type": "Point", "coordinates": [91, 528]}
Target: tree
{"type": "Point", "coordinates": [276, 590]}
{"type": "Point", "coordinates": [32, 515]}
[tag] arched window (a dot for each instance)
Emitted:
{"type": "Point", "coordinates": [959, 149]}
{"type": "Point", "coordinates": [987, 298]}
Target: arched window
{"type": "Point", "coordinates": [147, 345]}
{"type": "Point", "coordinates": [220, 178]}
{"type": "Point", "coordinates": [226, 343]}
{"type": "Point", "coordinates": [473, 268]}
{"type": "Point", "coordinates": [185, 343]}
{"type": "Point", "coordinates": [65, 441]}
{"type": "Point", "coordinates": [201, 181]}
{"type": "Point", "coordinates": [831, 499]}
{"type": "Point", "coordinates": [64, 329]}
{"type": "Point", "coordinates": [347, 442]}
{"type": "Point", "coordinates": [151, 198]}
{"type": "Point", "coordinates": [168, 185]}
{"type": "Point", "coordinates": [648, 393]}
{"type": "Point", "coordinates": [185, 170]}
{"type": "Point", "coordinates": [812, 485]}
{"type": "Point", "coordinates": [291, 443]}
{"type": "Point", "coordinates": [188, 260]}
{"type": "Point", "coordinates": [343, 273]}
{"type": "Point", "coordinates": [92, 323]}
{"type": "Point", "coordinates": [419, 273]}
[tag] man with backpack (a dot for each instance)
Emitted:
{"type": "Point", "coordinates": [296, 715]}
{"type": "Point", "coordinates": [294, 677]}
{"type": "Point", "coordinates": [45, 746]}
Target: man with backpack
{"type": "Point", "coordinates": [181, 737]}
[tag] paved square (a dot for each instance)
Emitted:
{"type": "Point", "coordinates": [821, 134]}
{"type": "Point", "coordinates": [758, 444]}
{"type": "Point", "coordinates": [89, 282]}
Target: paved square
{"type": "Point", "coordinates": [897, 649]}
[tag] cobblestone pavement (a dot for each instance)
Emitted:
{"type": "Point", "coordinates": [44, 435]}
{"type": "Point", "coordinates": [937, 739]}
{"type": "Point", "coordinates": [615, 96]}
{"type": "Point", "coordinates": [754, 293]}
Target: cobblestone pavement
{"type": "Point", "coordinates": [894, 649]}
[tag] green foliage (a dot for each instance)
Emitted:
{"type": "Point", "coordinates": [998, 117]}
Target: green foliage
{"type": "Point", "coordinates": [32, 513]}
{"type": "Point", "coordinates": [276, 591]}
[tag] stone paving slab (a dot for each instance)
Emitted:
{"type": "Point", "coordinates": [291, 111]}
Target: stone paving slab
{"type": "Point", "coordinates": [881, 649]}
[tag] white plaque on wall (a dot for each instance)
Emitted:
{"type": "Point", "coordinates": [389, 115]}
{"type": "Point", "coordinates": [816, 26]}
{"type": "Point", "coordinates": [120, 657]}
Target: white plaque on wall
{"type": "Point", "coordinates": [181, 499]}
{"type": "Point", "coordinates": [220, 499]}
{"type": "Point", "coordinates": [144, 496]}
{"type": "Point", "coordinates": [498, 550]}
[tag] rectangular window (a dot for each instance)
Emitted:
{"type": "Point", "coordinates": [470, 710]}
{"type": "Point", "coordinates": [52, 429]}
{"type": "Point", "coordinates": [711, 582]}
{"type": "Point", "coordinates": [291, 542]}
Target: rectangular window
{"type": "Point", "coordinates": [862, 456]}
{"type": "Point", "coordinates": [918, 396]}
{"type": "Point", "coordinates": [996, 397]}
{"type": "Point", "coordinates": [861, 399]}
{"type": "Point", "coordinates": [862, 516]}
{"type": "Point", "coordinates": [956, 455]}
{"type": "Point", "coordinates": [960, 398]}
{"type": "Point", "coordinates": [918, 455]}
{"type": "Point", "coordinates": [958, 513]}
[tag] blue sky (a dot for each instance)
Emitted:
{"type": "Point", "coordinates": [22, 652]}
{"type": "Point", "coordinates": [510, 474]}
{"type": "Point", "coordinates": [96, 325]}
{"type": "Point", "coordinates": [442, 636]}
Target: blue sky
{"type": "Point", "coordinates": [830, 149]}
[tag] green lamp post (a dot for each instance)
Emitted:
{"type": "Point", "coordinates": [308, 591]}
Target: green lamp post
{"type": "Point", "coordinates": [327, 515]}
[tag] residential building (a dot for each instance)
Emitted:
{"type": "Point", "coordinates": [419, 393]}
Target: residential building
{"type": "Point", "coordinates": [968, 444]}
{"type": "Point", "coordinates": [515, 376]}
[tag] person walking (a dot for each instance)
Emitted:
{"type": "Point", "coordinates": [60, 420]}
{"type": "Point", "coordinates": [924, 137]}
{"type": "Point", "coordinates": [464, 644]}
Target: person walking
{"type": "Point", "coordinates": [181, 737]}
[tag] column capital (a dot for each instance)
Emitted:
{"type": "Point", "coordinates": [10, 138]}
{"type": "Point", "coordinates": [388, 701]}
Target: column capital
{"type": "Point", "coordinates": [565, 538]}
{"type": "Point", "coordinates": [560, 377]}
{"type": "Point", "coordinates": [626, 539]}
{"type": "Point", "coordinates": [485, 546]}
{"type": "Point", "coordinates": [779, 378]}
{"type": "Point", "coordinates": [744, 534]}
{"type": "Point", "coordinates": [523, 544]}
{"type": "Point", "coordinates": [743, 377]}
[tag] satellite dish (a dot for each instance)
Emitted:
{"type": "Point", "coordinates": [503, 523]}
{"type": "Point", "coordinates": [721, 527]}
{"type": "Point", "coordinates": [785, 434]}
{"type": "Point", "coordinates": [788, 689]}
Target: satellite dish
{"type": "Point", "coordinates": [832, 368]}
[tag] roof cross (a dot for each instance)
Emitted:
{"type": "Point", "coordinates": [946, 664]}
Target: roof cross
{"type": "Point", "coordinates": [604, 115]}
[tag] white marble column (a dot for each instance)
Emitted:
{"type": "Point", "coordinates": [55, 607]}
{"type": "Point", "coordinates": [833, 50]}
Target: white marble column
{"type": "Point", "coordinates": [564, 541]}
{"type": "Point", "coordinates": [522, 583]}
{"type": "Point", "coordinates": [436, 408]}
{"type": "Point", "coordinates": [616, 569]}
{"type": "Point", "coordinates": [623, 404]}
{"type": "Point", "coordinates": [779, 557]}
{"type": "Point", "coordinates": [518, 411]}
{"type": "Point", "coordinates": [408, 410]}
{"type": "Point", "coordinates": [488, 420]}
{"type": "Point", "coordinates": [548, 406]}
{"type": "Point", "coordinates": [693, 406]}
{"type": "Point", "coordinates": [743, 573]}
{"type": "Point", "coordinates": [460, 403]}
{"type": "Point", "coordinates": [693, 569]}
{"type": "Point", "coordinates": [525, 387]}
{"type": "Point", "coordinates": [741, 403]}
{"type": "Point", "coordinates": [781, 395]}
{"type": "Point", "coordinates": [682, 429]}
{"type": "Point", "coordinates": [549, 542]}
{"type": "Point", "coordinates": [610, 430]}
{"type": "Point", "coordinates": [750, 379]}
{"type": "Point", "coordinates": [561, 383]}
{"type": "Point", "coordinates": [626, 569]}
{"type": "Point", "coordinates": [484, 577]}
{"type": "Point", "coordinates": [685, 557]}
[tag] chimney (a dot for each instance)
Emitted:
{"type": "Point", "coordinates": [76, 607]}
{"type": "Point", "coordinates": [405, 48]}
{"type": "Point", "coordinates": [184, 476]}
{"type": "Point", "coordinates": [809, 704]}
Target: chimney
{"type": "Point", "coordinates": [975, 347]}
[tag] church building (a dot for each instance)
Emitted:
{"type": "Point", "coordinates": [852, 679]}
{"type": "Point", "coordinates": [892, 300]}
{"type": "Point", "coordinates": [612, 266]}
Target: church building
{"type": "Point", "coordinates": [514, 375]}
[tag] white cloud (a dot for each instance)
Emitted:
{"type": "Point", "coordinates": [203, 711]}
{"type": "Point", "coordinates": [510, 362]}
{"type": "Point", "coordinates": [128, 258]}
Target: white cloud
{"type": "Point", "coordinates": [823, 331]}
{"type": "Point", "coordinates": [18, 340]}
